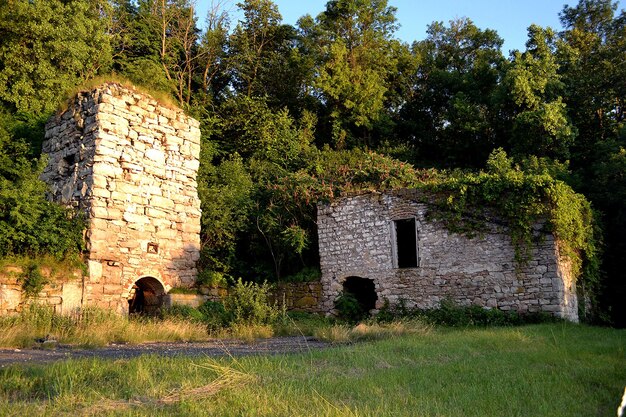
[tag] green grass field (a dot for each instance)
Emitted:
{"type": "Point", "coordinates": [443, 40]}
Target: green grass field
{"type": "Point", "coordinates": [541, 370]}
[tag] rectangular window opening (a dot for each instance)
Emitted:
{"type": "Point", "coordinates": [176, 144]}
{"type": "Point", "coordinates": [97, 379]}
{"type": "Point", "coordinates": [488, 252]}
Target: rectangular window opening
{"type": "Point", "coordinates": [406, 243]}
{"type": "Point", "coordinates": [153, 247]}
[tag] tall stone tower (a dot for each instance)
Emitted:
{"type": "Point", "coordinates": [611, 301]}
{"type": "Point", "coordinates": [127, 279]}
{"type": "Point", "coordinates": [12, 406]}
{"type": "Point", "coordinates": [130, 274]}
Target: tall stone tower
{"type": "Point", "coordinates": [130, 164]}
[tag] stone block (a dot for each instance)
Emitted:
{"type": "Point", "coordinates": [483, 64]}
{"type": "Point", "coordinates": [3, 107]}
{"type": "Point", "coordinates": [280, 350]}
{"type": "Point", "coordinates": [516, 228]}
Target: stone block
{"type": "Point", "coordinates": [192, 300]}
{"type": "Point", "coordinates": [190, 227]}
{"type": "Point", "coordinates": [161, 202]}
{"type": "Point", "coordinates": [155, 155]}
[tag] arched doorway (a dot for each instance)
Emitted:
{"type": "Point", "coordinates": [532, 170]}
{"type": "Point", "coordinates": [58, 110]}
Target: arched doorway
{"type": "Point", "coordinates": [364, 290]}
{"type": "Point", "coordinates": [146, 296]}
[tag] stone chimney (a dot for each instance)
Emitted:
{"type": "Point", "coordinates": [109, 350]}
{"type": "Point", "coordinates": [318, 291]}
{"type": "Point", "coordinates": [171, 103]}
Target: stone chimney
{"type": "Point", "coordinates": [129, 163]}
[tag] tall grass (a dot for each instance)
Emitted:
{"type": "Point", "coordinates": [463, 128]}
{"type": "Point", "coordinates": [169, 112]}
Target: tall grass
{"type": "Point", "coordinates": [92, 327]}
{"type": "Point", "coordinates": [556, 370]}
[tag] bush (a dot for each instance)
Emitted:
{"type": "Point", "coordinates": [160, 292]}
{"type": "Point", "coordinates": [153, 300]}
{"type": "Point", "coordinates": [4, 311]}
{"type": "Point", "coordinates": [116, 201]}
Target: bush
{"type": "Point", "coordinates": [248, 303]}
{"type": "Point", "coordinates": [348, 307]}
{"type": "Point", "coordinates": [211, 279]}
{"type": "Point", "coordinates": [183, 312]}
{"type": "Point", "coordinates": [215, 315]}
{"type": "Point", "coordinates": [32, 279]}
{"type": "Point", "coordinates": [451, 314]}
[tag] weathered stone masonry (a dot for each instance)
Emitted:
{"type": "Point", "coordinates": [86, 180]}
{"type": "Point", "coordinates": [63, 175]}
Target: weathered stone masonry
{"type": "Point", "coordinates": [357, 239]}
{"type": "Point", "coordinates": [130, 164]}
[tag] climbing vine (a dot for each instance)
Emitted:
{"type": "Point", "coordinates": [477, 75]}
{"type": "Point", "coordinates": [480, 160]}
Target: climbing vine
{"type": "Point", "coordinates": [523, 200]}
{"type": "Point", "coordinates": [528, 200]}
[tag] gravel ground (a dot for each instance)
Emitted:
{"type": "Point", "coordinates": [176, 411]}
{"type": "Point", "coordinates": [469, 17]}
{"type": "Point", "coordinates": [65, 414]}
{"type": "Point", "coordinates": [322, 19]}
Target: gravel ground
{"type": "Point", "coordinates": [51, 353]}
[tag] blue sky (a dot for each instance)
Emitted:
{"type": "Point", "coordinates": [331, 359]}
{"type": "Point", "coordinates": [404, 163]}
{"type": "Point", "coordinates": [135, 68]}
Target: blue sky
{"type": "Point", "coordinates": [510, 18]}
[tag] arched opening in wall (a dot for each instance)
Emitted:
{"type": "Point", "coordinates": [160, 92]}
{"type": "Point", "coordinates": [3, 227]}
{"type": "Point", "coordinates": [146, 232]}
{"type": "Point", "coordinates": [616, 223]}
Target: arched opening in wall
{"type": "Point", "coordinates": [146, 297]}
{"type": "Point", "coordinates": [364, 290]}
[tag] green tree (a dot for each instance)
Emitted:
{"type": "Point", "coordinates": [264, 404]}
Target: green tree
{"type": "Point", "coordinates": [29, 224]}
{"type": "Point", "coordinates": [355, 52]}
{"type": "Point", "coordinates": [591, 57]}
{"type": "Point", "coordinates": [451, 117]}
{"type": "Point", "coordinates": [255, 147]}
{"type": "Point", "coordinates": [225, 192]}
{"type": "Point", "coordinates": [253, 43]}
{"type": "Point", "coordinates": [540, 123]}
{"type": "Point", "coordinates": [47, 48]}
{"type": "Point", "coordinates": [157, 43]}
{"type": "Point", "coordinates": [212, 56]}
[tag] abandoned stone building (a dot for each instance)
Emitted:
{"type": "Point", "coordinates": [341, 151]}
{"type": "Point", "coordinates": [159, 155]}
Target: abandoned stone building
{"type": "Point", "coordinates": [129, 164]}
{"type": "Point", "coordinates": [384, 247]}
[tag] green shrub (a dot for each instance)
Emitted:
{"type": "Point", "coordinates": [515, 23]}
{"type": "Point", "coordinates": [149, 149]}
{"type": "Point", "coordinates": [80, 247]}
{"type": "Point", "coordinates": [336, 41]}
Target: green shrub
{"type": "Point", "coordinates": [183, 312]}
{"type": "Point", "coordinates": [348, 307]}
{"type": "Point", "coordinates": [215, 315]}
{"type": "Point", "coordinates": [32, 279]}
{"type": "Point", "coordinates": [248, 303]}
{"type": "Point", "coordinates": [211, 278]}
{"type": "Point", "coordinates": [451, 314]}
{"type": "Point", "coordinates": [387, 313]}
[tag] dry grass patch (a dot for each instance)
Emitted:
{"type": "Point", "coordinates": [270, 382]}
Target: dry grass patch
{"type": "Point", "coordinates": [162, 97]}
{"type": "Point", "coordinates": [342, 333]}
{"type": "Point", "coordinates": [93, 327]}
{"type": "Point", "coordinates": [246, 332]}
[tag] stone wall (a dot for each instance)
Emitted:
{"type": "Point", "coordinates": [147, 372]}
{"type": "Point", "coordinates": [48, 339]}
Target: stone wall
{"type": "Point", "coordinates": [299, 296]}
{"type": "Point", "coordinates": [356, 239]}
{"type": "Point", "coordinates": [130, 164]}
{"type": "Point", "coordinates": [63, 295]}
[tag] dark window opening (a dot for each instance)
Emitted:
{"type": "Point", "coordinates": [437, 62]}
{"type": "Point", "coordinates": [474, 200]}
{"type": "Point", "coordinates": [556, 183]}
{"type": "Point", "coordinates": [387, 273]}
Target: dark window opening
{"type": "Point", "coordinates": [153, 247]}
{"type": "Point", "coordinates": [146, 297]}
{"type": "Point", "coordinates": [406, 243]}
{"type": "Point", "coordinates": [363, 290]}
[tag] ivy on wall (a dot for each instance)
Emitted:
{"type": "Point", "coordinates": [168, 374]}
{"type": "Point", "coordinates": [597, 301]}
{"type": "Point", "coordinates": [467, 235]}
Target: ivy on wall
{"type": "Point", "coordinates": [522, 199]}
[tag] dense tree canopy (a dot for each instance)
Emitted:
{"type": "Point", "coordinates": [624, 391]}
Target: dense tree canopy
{"type": "Point", "coordinates": [46, 48]}
{"type": "Point", "coordinates": [290, 115]}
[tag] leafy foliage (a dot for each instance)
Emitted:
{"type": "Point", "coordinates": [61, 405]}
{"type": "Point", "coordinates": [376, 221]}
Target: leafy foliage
{"type": "Point", "coordinates": [451, 113]}
{"type": "Point", "coordinates": [348, 308]}
{"type": "Point", "coordinates": [540, 125]}
{"type": "Point", "coordinates": [32, 280]}
{"type": "Point", "coordinates": [523, 199]}
{"type": "Point", "coordinates": [248, 303]}
{"type": "Point", "coordinates": [295, 115]}
{"type": "Point", "coordinates": [29, 224]}
{"type": "Point", "coordinates": [47, 48]}
{"type": "Point", "coordinates": [453, 315]}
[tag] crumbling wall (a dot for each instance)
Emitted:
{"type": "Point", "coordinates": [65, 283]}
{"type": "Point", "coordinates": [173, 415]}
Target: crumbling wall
{"type": "Point", "coordinates": [130, 163]}
{"type": "Point", "coordinates": [298, 296]}
{"type": "Point", "coordinates": [63, 294]}
{"type": "Point", "coordinates": [356, 239]}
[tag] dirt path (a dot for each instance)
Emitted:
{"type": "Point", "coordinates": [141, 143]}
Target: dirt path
{"type": "Point", "coordinates": [276, 345]}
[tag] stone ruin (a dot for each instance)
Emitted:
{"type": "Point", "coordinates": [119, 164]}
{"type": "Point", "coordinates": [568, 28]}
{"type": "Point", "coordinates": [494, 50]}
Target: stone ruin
{"type": "Point", "coordinates": [384, 247]}
{"type": "Point", "coordinates": [129, 163]}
